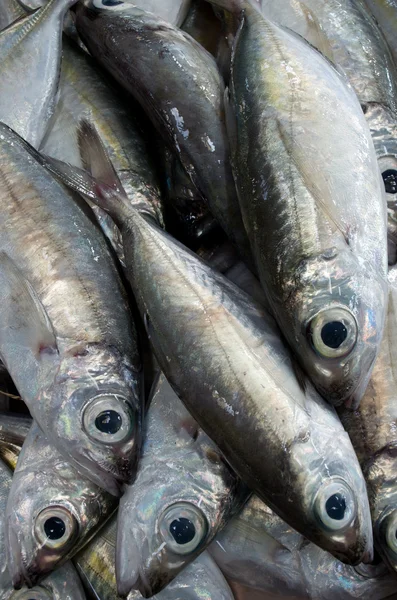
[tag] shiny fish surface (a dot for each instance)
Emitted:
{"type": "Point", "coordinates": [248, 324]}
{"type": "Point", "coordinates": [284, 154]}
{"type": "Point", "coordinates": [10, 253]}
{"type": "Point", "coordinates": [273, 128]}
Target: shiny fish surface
{"type": "Point", "coordinates": [224, 357]}
{"type": "Point", "coordinates": [95, 564]}
{"type": "Point", "coordinates": [30, 53]}
{"type": "Point", "coordinates": [193, 486]}
{"type": "Point", "coordinates": [261, 551]}
{"type": "Point", "coordinates": [84, 93]}
{"type": "Point", "coordinates": [71, 327]}
{"type": "Point", "coordinates": [385, 13]}
{"type": "Point", "coordinates": [307, 174]}
{"type": "Point", "coordinates": [52, 511]}
{"type": "Point", "coordinates": [178, 84]}
{"type": "Point", "coordinates": [13, 431]}
{"type": "Point", "coordinates": [10, 11]}
{"type": "Point", "coordinates": [373, 431]}
{"type": "Point", "coordinates": [62, 585]}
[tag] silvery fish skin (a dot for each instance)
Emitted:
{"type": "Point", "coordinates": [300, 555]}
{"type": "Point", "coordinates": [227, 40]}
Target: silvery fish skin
{"type": "Point", "coordinates": [95, 564]}
{"type": "Point", "coordinates": [261, 551]}
{"type": "Point", "coordinates": [385, 13]}
{"type": "Point", "coordinates": [84, 93]}
{"type": "Point", "coordinates": [71, 326]}
{"type": "Point", "coordinates": [13, 431]}
{"type": "Point", "coordinates": [10, 11]}
{"type": "Point", "coordinates": [306, 172]}
{"type": "Point", "coordinates": [225, 358]}
{"type": "Point", "coordinates": [178, 84]}
{"type": "Point", "coordinates": [62, 585]}
{"type": "Point", "coordinates": [181, 475]}
{"type": "Point", "coordinates": [344, 31]}
{"type": "Point", "coordinates": [52, 511]}
{"type": "Point", "coordinates": [30, 52]}
{"type": "Point", "coordinates": [373, 431]}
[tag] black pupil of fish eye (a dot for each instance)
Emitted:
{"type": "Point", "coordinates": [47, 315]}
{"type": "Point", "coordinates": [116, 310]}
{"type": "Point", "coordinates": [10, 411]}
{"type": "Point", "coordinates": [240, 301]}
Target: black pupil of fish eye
{"type": "Point", "coordinates": [390, 181]}
{"type": "Point", "coordinates": [333, 334]}
{"type": "Point", "coordinates": [54, 528]}
{"type": "Point", "coordinates": [108, 421]}
{"type": "Point", "coordinates": [182, 530]}
{"type": "Point", "coordinates": [111, 2]}
{"type": "Point", "coordinates": [336, 507]}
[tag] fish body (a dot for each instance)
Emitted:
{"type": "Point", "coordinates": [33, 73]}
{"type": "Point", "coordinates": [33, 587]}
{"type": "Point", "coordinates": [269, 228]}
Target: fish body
{"type": "Point", "coordinates": [13, 431]}
{"type": "Point", "coordinates": [306, 173]}
{"type": "Point", "coordinates": [52, 511]}
{"type": "Point", "coordinates": [10, 11]}
{"type": "Point", "coordinates": [373, 431]}
{"type": "Point", "coordinates": [85, 94]}
{"type": "Point", "coordinates": [259, 550]}
{"type": "Point", "coordinates": [30, 52]}
{"type": "Point", "coordinates": [178, 84]}
{"type": "Point", "coordinates": [193, 485]}
{"type": "Point", "coordinates": [385, 13]}
{"type": "Point", "coordinates": [71, 326]}
{"type": "Point", "coordinates": [95, 564]}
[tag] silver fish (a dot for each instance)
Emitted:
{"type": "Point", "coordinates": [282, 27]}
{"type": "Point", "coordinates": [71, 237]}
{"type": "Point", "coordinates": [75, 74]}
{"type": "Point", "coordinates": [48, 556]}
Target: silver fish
{"type": "Point", "coordinates": [62, 585]}
{"type": "Point", "coordinates": [225, 358]}
{"type": "Point", "coordinates": [13, 431]}
{"type": "Point", "coordinates": [95, 564]}
{"type": "Point", "coordinates": [169, 73]}
{"type": "Point", "coordinates": [373, 431]}
{"type": "Point", "coordinates": [182, 481]}
{"type": "Point", "coordinates": [84, 93]}
{"type": "Point", "coordinates": [312, 202]}
{"type": "Point", "coordinates": [52, 511]}
{"type": "Point", "coordinates": [258, 549]}
{"type": "Point", "coordinates": [10, 11]}
{"type": "Point", "coordinates": [385, 13]}
{"type": "Point", "coordinates": [30, 53]}
{"type": "Point", "coordinates": [65, 318]}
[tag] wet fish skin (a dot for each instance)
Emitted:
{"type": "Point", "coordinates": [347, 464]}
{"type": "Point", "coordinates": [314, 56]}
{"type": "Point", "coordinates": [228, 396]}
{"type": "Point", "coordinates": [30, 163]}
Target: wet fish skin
{"type": "Point", "coordinates": [85, 93]}
{"type": "Point", "coordinates": [313, 251]}
{"type": "Point", "coordinates": [372, 429]}
{"type": "Point", "coordinates": [95, 564]}
{"type": "Point", "coordinates": [13, 431]}
{"type": "Point", "coordinates": [178, 84]}
{"type": "Point", "coordinates": [385, 13]}
{"type": "Point", "coordinates": [44, 481]}
{"type": "Point", "coordinates": [30, 52]}
{"type": "Point", "coordinates": [72, 330]}
{"type": "Point", "coordinates": [258, 549]}
{"type": "Point", "coordinates": [10, 11]}
{"type": "Point", "coordinates": [181, 472]}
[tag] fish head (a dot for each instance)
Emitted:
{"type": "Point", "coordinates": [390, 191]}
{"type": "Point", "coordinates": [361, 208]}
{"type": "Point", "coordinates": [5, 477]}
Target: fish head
{"type": "Point", "coordinates": [51, 511]}
{"type": "Point", "coordinates": [97, 402]}
{"type": "Point", "coordinates": [109, 7]}
{"type": "Point", "coordinates": [182, 496]}
{"type": "Point", "coordinates": [326, 497]}
{"type": "Point", "coordinates": [380, 474]}
{"type": "Point", "coordinates": [338, 309]}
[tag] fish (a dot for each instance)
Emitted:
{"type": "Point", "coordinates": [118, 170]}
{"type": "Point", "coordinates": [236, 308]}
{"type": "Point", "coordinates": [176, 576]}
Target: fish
{"type": "Point", "coordinates": [373, 430]}
{"type": "Point", "coordinates": [179, 86]}
{"type": "Point", "coordinates": [257, 549]}
{"type": "Point", "coordinates": [52, 511]}
{"type": "Point", "coordinates": [306, 173]}
{"type": "Point", "coordinates": [85, 93]}
{"type": "Point", "coordinates": [13, 431]}
{"type": "Point", "coordinates": [345, 33]}
{"type": "Point", "coordinates": [10, 11]}
{"type": "Point", "coordinates": [30, 53]}
{"type": "Point", "coordinates": [95, 564]}
{"type": "Point", "coordinates": [183, 493]}
{"type": "Point", "coordinates": [62, 585]}
{"type": "Point", "coordinates": [226, 360]}
{"type": "Point", "coordinates": [202, 24]}
{"type": "Point", "coordinates": [65, 317]}
{"type": "Point", "coordinates": [385, 13]}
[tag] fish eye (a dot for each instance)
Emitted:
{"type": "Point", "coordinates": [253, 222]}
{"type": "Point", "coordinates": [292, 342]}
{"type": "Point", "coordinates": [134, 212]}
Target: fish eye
{"type": "Point", "coordinates": [334, 505]}
{"type": "Point", "coordinates": [183, 527]}
{"type": "Point", "coordinates": [390, 181]}
{"type": "Point", "coordinates": [55, 527]}
{"type": "Point", "coordinates": [333, 332]}
{"type": "Point", "coordinates": [107, 3]}
{"type": "Point", "coordinates": [108, 419]}
{"type": "Point", "coordinates": [36, 593]}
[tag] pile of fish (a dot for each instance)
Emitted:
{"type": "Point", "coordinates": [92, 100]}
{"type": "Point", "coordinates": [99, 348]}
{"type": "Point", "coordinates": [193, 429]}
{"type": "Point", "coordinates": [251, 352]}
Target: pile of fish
{"type": "Point", "coordinates": [198, 299]}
